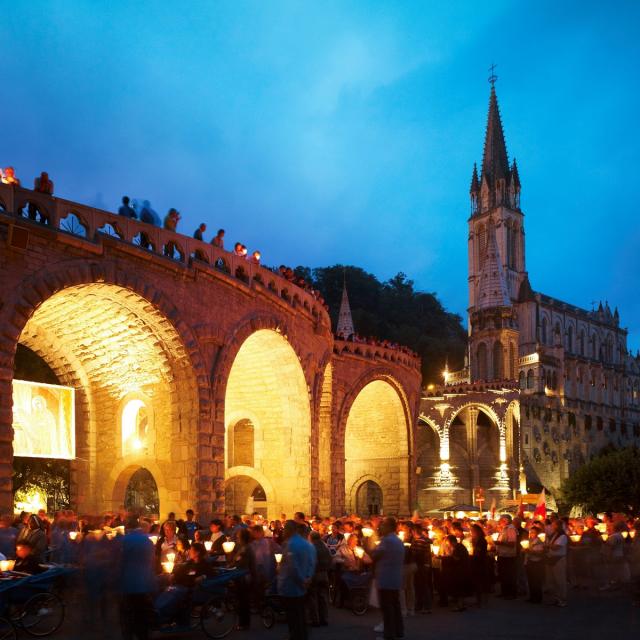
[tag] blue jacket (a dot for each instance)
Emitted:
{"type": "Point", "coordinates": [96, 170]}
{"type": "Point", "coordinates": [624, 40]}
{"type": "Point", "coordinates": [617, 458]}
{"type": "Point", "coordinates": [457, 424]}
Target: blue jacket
{"type": "Point", "coordinates": [138, 556]}
{"type": "Point", "coordinates": [297, 567]}
{"type": "Point", "coordinates": [389, 560]}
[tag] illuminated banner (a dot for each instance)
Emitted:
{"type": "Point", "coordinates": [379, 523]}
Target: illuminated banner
{"type": "Point", "coordinates": [43, 420]}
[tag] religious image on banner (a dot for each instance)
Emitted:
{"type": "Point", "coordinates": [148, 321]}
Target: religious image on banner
{"type": "Point", "coordinates": [43, 420]}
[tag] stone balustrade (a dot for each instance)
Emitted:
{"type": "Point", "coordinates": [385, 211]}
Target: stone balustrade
{"type": "Point", "coordinates": [376, 352]}
{"type": "Point", "coordinates": [94, 225]}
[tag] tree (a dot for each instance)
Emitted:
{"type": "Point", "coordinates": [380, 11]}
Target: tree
{"type": "Point", "coordinates": [608, 482]}
{"type": "Point", "coordinates": [45, 475]}
{"type": "Point", "coordinates": [395, 311]}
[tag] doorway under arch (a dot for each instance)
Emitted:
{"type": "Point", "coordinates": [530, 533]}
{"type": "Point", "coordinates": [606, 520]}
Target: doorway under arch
{"type": "Point", "coordinates": [369, 499]}
{"type": "Point", "coordinates": [141, 495]}
{"type": "Point", "coordinates": [245, 495]}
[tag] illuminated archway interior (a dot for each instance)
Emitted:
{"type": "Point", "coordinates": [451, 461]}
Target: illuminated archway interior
{"type": "Point", "coordinates": [376, 447]}
{"type": "Point", "coordinates": [268, 423]}
{"type": "Point", "coordinates": [135, 391]}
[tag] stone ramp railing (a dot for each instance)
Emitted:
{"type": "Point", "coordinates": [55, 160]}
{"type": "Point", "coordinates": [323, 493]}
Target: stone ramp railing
{"type": "Point", "coordinates": [376, 352]}
{"type": "Point", "coordinates": [92, 225]}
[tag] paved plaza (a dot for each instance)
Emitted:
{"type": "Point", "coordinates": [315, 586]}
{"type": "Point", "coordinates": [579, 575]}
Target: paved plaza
{"type": "Point", "coordinates": [587, 617]}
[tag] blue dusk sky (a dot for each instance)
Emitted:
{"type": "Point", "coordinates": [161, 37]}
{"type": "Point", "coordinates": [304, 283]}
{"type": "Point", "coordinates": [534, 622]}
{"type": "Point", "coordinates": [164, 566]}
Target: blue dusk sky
{"type": "Point", "coordinates": [343, 132]}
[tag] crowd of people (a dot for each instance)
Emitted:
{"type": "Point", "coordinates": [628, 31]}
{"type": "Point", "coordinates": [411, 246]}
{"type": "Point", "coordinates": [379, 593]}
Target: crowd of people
{"type": "Point", "coordinates": [374, 342]}
{"type": "Point", "coordinates": [414, 563]}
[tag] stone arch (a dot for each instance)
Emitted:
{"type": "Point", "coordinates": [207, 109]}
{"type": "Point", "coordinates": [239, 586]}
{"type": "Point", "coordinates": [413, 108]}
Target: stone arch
{"type": "Point", "coordinates": [119, 477]}
{"type": "Point", "coordinates": [356, 487]}
{"type": "Point", "coordinates": [35, 319]}
{"type": "Point", "coordinates": [267, 381]}
{"type": "Point", "coordinates": [368, 445]}
{"type": "Point", "coordinates": [259, 478]}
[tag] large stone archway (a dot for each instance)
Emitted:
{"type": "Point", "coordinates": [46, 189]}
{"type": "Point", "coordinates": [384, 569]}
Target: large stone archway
{"type": "Point", "coordinates": [377, 447]}
{"type": "Point", "coordinates": [266, 386]}
{"type": "Point", "coordinates": [111, 344]}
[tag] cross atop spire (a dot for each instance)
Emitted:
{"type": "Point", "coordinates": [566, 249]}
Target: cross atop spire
{"type": "Point", "coordinates": [492, 75]}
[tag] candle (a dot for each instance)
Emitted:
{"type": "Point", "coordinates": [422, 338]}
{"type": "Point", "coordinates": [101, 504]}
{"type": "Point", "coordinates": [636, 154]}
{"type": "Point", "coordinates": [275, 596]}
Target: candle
{"type": "Point", "coordinates": [153, 539]}
{"type": "Point", "coordinates": [605, 537]}
{"type": "Point", "coordinates": [401, 535]}
{"type": "Point", "coordinates": [495, 536]}
{"type": "Point", "coordinates": [377, 542]}
{"type": "Point", "coordinates": [278, 558]}
{"type": "Point", "coordinates": [431, 534]}
{"type": "Point", "coordinates": [524, 544]}
{"type": "Point", "coordinates": [435, 549]}
{"type": "Point", "coordinates": [208, 544]}
{"type": "Point", "coordinates": [73, 535]}
{"type": "Point", "coordinates": [228, 546]}
{"type": "Point", "coordinates": [168, 566]}
{"type": "Point", "coordinates": [632, 533]}
{"type": "Point", "coordinates": [171, 557]}
{"type": "Point", "coordinates": [542, 536]}
{"type": "Point", "coordinates": [367, 532]}
{"type": "Point", "coordinates": [7, 565]}
{"type": "Point", "coordinates": [625, 534]}
{"type": "Point", "coordinates": [575, 537]}
{"type": "Point", "coordinates": [359, 551]}
{"type": "Point", "coordinates": [406, 544]}
{"type": "Point", "coordinates": [347, 535]}
{"type": "Point", "coordinates": [602, 527]}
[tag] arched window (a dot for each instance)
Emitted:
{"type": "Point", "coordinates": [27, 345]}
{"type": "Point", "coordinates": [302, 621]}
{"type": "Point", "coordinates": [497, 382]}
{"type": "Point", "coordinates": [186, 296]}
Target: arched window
{"type": "Point", "coordinates": [481, 364]}
{"type": "Point", "coordinates": [241, 444]}
{"type": "Point", "coordinates": [557, 334]}
{"type": "Point", "coordinates": [582, 342]}
{"type": "Point", "coordinates": [498, 361]}
{"type": "Point", "coordinates": [543, 329]}
{"type": "Point", "coordinates": [530, 379]}
{"type": "Point", "coordinates": [522, 380]}
{"type": "Point", "coordinates": [134, 425]}
{"type": "Point", "coordinates": [594, 346]}
{"type": "Point", "coordinates": [570, 339]}
{"type": "Point", "coordinates": [513, 362]}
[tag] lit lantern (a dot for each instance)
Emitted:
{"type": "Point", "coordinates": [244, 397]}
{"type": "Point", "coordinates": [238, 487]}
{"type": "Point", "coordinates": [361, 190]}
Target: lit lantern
{"type": "Point", "coordinates": [154, 539]}
{"type": "Point", "coordinates": [401, 535]}
{"type": "Point", "coordinates": [605, 537]}
{"type": "Point", "coordinates": [575, 537]}
{"type": "Point", "coordinates": [495, 536]}
{"type": "Point", "coordinates": [167, 567]}
{"type": "Point", "coordinates": [171, 557]}
{"type": "Point", "coordinates": [435, 549]}
{"type": "Point", "coordinates": [7, 565]}
{"type": "Point", "coordinates": [208, 544]}
{"type": "Point", "coordinates": [377, 542]}
{"type": "Point", "coordinates": [120, 530]}
{"type": "Point", "coordinates": [367, 532]}
{"type": "Point", "coordinates": [347, 535]}
{"type": "Point", "coordinates": [632, 534]}
{"type": "Point", "coordinates": [542, 536]}
{"type": "Point", "coordinates": [359, 551]}
{"type": "Point", "coordinates": [228, 546]}
{"type": "Point", "coordinates": [431, 534]}
{"type": "Point", "coordinates": [625, 534]}
{"type": "Point", "coordinates": [73, 535]}
{"type": "Point", "coordinates": [278, 557]}
{"type": "Point", "coordinates": [524, 544]}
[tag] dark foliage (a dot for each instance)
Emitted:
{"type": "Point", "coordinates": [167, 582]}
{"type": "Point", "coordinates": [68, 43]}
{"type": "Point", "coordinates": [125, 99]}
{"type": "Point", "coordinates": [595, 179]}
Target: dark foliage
{"type": "Point", "coordinates": [608, 482]}
{"type": "Point", "coordinates": [394, 310]}
{"type": "Point", "coordinates": [48, 475]}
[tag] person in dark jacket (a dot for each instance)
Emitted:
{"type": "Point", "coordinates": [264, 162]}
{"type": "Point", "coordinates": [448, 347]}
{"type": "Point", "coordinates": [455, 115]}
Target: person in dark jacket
{"type": "Point", "coordinates": [319, 588]}
{"type": "Point", "coordinates": [479, 563]}
{"type": "Point", "coordinates": [26, 559]}
{"type": "Point", "coordinates": [243, 558]}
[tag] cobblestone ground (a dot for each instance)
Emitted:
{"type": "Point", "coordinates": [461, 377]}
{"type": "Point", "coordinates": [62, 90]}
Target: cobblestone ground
{"type": "Point", "coordinates": [588, 616]}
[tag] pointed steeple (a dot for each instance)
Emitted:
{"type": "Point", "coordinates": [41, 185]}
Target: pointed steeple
{"type": "Point", "coordinates": [495, 161]}
{"type": "Point", "coordinates": [515, 176]}
{"type": "Point", "coordinates": [345, 320]}
{"type": "Point", "coordinates": [475, 183]}
{"type": "Point", "coordinates": [493, 291]}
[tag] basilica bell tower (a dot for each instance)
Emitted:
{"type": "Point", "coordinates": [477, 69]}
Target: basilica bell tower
{"type": "Point", "coordinates": [496, 257]}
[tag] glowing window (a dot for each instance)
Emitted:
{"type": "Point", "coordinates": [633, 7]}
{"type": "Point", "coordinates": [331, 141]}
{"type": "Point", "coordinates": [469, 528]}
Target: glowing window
{"type": "Point", "coordinates": [135, 426]}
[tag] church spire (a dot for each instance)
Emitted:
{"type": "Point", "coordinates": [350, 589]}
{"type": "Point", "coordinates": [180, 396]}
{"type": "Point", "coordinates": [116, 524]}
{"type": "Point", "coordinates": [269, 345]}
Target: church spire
{"type": "Point", "coordinates": [345, 321]}
{"type": "Point", "coordinates": [495, 161]}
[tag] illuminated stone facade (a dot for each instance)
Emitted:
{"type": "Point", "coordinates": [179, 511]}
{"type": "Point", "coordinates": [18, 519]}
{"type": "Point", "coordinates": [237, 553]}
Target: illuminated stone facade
{"type": "Point", "coordinates": [551, 382]}
{"type": "Point", "coordinates": [208, 371]}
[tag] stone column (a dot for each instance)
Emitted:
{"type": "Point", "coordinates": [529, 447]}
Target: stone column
{"type": "Point", "coordinates": [472, 446]}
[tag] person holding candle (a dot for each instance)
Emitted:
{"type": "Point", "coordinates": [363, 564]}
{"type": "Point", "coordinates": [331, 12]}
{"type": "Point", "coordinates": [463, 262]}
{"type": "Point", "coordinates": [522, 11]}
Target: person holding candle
{"type": "Point", "coordinates": [506, 543]}
{"type": "Point", "coordinates": [556, 545]}
{"type": "Point", "coordinates": [534, 556]}
{"type": "Point", "coordinates": [421, 548]}
{"type": "Point", "coordinates": [480, 564]}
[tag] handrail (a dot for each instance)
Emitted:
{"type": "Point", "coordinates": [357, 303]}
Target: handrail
{"type": "Point", "coordinates": [376, 352]}
{"type": "Point", "coordinates": [93, 223]}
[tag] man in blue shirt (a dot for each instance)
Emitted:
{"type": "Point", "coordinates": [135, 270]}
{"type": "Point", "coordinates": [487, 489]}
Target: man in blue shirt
{"type": "Point", "coordinates": [388, 558]}
{"type": "Point", "coordinates": [296, 570]}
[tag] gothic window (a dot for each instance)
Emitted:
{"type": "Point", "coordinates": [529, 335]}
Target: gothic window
{"type": "Point", "coordinates": [482, 241]}
{"type": "Point", "coordinates": [482, 361]}
{"type": "Point", "coordinates": [543, 336]}
{"type": "Point", "coordinates": [594, 346]}
{"type": "Point", "coordinates": [521, 380]}
{"type": "Point", "coordinates": [515, 232]}
{"type": "Point", "coordinates": [557, 334]}
{"type": "Point", "coordinates": [530, 379]}
{"type": "Point", "coordinates": [587, 423]}
{"type": "Point", "coordinates": [582, 342]}
{"type": "Point", "coordinates": [570, 339]}
{"type": "Point", "coordinates": [498, 358]}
